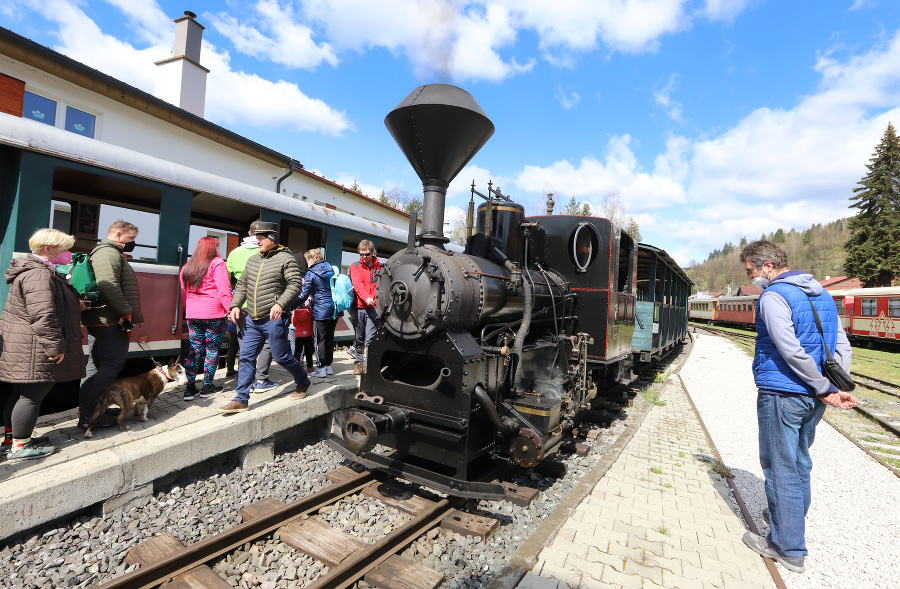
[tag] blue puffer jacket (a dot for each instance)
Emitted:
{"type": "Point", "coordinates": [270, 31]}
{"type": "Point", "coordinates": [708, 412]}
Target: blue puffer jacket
{"type": "Point", "coordinates": [771, 370]}
{"type": "Point", "coordinates": [317, 285]}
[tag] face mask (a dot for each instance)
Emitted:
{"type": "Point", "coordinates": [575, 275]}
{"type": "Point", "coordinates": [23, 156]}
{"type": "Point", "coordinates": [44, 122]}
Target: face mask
{"type": "Point", "coordinates": [63, 259]}
{"type": "Point", "coordinates": [760, 282]}
{"type": "Point", "coordinates": [129, 247]}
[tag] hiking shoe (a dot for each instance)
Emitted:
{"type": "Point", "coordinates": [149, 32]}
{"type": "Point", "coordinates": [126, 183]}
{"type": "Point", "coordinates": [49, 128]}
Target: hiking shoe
{"type": "Point", "coordinates": [320, 373]}
{"type": "Point", "coordinates": [234, 406]}
{"type": "Point", "coordinates": [31, 450]}
{"type": "Point", "coordinates": [104, 421]}
{"type": "Point", "coordinates": [328, 371]}
{"type": "Point", "coordinates": [37, 441]}
{"type": "Point", "coordinates": [758, 545]}
{"type": "Point", "coordinates": [300, 391]}
{"type": "Point", "coordinates": [358, 369]}
{"type": "Point", "coordinates": [210, 390]}
{"type": "Point", "coordinates": [265, 385]}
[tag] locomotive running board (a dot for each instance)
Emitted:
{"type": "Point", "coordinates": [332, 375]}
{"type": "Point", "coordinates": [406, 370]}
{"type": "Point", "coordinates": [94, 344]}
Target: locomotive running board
{"type": "Point", "coordinates": [449, 485]}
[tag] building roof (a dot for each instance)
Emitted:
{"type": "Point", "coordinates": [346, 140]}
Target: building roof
{"type": "Point", "coordinates": [748, 291]}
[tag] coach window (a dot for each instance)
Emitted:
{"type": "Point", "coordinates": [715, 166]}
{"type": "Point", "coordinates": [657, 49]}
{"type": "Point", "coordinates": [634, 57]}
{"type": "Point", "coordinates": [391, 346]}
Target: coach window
{"type": "Point", "coordinates": [839, 303]}
{"type": "Point", "coordinates": [868, 307]}
{"type": "Point", "coordinates": [894, 308]}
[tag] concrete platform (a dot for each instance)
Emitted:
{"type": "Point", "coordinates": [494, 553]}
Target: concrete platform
{"type": "Point", "coordinates": [114, 466]}
{"type": "Point", "coordinates": [659, 517]}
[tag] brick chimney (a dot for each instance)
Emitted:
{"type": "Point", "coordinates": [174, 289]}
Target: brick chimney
{"type": "Point", "coordinates": [181, 79]}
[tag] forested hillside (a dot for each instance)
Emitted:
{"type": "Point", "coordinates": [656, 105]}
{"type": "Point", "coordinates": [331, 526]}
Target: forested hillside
{"type": "Point", "coordinates": [818, 250]}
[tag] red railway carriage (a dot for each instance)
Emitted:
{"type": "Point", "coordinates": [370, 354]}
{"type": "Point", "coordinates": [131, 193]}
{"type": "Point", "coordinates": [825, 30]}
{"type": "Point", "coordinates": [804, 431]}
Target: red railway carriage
{"type": "Point", "coordinates": [870, 313]}
{"type": "Point", "coordinates": [737, 310]}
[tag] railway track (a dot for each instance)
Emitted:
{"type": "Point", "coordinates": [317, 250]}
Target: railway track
{"type": "Point", "coordinates": [161, 562]}
{"type": "Point", "coordinates": [876, 427]}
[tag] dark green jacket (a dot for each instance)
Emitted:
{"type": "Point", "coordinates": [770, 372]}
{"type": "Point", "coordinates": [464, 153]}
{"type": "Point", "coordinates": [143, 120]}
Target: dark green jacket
{"type": "Point", "coordinates": [269, 278]}
{"type": "Point", "coordinates": [118, 287]}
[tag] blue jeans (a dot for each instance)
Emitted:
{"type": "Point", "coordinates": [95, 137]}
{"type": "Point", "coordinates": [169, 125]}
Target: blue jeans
{"type": "Point", "coordinates": [787, 428]}
{"type": "Point", "coordinates": [256, 334]}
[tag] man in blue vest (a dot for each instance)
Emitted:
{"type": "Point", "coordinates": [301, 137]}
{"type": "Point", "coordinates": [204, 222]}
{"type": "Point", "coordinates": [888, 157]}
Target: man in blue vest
{"type": "Point", "coordinates": [792, 393]}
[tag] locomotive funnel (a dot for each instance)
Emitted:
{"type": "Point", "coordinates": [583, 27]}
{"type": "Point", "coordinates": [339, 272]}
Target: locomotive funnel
{"type": "Point", "coordinates": [439, 128]}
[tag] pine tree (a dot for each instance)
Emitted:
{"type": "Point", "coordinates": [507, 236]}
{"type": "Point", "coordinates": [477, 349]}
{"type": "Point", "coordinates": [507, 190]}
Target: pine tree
{"type": "Point", "coordinates": [632, 229]}
{"type": "Point", "coordinates": [873, 250]}
{"type": "Point", "coordinates": [779, 236]}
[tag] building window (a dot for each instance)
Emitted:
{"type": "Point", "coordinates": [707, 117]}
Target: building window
{"type": "Point", "coordinates": [894, 308]}
{"type": "Point", "coordinates": [38, 108]}
{"type": "Point", "coordinates": [80, 122]}
{"type": "Point", "coordinates": [868, 307]}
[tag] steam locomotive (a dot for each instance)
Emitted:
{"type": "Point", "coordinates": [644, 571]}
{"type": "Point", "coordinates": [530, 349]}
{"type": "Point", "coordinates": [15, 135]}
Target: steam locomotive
{"type": "Point", "coordinates": [488, 354]}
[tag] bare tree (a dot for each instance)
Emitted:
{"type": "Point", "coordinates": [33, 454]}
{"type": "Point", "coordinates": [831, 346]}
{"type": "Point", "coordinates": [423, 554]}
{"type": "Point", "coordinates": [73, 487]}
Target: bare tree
{"type": "Point", "coordinates": [612, 209]}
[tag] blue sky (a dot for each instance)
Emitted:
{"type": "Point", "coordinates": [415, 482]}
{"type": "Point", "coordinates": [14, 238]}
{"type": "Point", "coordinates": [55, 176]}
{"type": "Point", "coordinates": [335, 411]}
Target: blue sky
{"type": "Point", "coordinates": [706, 119]}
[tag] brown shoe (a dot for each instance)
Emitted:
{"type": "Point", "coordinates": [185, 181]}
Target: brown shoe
{"type": "Point", "coordinates": [234, 406]}
{"type": "Point", "coordinates": [359, 369]}
{"type": "Point", "coordinates": [300, 391]}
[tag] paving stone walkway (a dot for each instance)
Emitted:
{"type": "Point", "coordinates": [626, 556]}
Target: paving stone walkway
{"type": "Point", "coordinates": [660, 517]}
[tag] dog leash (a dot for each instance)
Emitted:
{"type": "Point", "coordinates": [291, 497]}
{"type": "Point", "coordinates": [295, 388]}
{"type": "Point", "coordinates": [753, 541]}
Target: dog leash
{"type": "Point", "coordinates": [148, 353]}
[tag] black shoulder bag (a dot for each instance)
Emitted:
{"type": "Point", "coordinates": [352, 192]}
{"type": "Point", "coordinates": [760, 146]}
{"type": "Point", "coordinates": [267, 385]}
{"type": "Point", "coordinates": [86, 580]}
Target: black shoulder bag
{"type": "Point", "coordinates": [831, 369]}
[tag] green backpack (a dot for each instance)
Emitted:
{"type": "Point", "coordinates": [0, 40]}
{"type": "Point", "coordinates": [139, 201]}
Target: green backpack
{"type": "Point", "coordinates": [80, 275]}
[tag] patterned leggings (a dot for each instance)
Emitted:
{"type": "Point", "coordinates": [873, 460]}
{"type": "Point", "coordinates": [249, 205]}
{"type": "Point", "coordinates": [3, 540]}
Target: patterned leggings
{"type": "Point", "coordinates": [206, 338]}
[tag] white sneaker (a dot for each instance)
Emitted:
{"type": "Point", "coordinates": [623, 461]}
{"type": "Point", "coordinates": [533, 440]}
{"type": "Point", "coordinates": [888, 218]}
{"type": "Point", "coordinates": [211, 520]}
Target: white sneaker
{"type": "Point", "coordinates": [321, 372]}
{"type": "Point", "coordinates": [328, 370]}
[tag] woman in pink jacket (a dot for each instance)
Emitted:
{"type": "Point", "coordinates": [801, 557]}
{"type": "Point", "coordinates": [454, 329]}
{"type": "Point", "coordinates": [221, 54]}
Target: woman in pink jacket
{"type": "Point", "coordinates": [207, 296]}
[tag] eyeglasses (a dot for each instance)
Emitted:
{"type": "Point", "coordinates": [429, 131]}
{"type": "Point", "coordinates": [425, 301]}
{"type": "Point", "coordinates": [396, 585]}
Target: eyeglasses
{"type": "Point", "coordinates": [366, 254]}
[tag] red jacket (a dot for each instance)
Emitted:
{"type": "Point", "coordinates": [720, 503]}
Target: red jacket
{"type": "Point", "coordinates": [302, 320]}
{"type": "Point", "coordinates": [363, 279]}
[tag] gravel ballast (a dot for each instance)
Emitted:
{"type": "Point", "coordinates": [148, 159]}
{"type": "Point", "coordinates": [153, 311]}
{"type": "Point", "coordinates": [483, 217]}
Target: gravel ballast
{"type": "Point", "coordinates": [853, 525]}
{"type": "Point", "coordinates": [89, 550]}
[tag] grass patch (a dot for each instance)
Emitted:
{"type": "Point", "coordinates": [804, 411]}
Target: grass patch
{"type": "Point", "coordinates": [681, 454]}
{"type": "Point", "coordinates": [651, 396]}
{"type": "Point", "coordinates": [656, 469]}
{"type": "Point", "coordinates": [667, 485]}
{"type": "Point", "coordinates": [677, 464]}
{"type": "Point", "coordinates": [662, 529]}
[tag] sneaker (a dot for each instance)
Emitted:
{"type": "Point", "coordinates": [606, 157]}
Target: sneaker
{"type": "Point", "coordinates": [234, 406]}
{"type": "Point", "coordinates": [104, 421]}
{"type": "Point", "coordinates": [328, 371]}
{"type": "Point", "coordinates": [190, 392]}
{"type": "Point", "coordinates": [758, 545]}
{"type": "Point", "coordinates": [31, 450]}
{"type": "Point", "coordinates": [37, 441]}
{"type": "Point", "coordinates": [300, 391]}
{"type": "Point", "coordinates": [321, 373]}
{"type": "Point", "coordinates": [265, 385]}
{"type": "Point", "coordinates": [231, 373]}
{"type": "Point", "coordinates": [210, 390]}
{"type": "Point", "coordinates": [358, 369]}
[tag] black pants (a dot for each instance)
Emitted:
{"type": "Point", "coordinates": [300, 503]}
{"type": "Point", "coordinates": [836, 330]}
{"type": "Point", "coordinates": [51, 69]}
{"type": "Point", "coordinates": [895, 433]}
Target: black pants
{"type": "Point", "coordinates": [108, 352]}
{"type": "Point", "coordinates": [324, 332]}
{"type": "Point", "coordinates": [23, 406]}
{"type": "Point", "coordinates": [304, 346]}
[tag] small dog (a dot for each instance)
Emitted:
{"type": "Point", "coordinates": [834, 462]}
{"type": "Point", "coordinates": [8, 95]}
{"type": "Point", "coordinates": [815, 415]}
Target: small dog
{"type": "Point", "coordinates": [126, 392]}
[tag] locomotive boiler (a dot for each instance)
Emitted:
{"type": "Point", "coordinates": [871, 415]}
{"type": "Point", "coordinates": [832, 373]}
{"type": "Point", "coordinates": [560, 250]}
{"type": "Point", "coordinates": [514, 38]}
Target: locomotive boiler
{"type": "Point", "coordinates": [477, 357]}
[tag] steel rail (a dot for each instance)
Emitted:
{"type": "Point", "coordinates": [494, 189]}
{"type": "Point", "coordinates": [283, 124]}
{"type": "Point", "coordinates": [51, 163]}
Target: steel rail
{"type": "Point", "coordinates": [874, 388]}
{"type": "Point", "coordinates": [894, 430]}
{"type": "Point", "coordinates": [873, 379]}
{"type": "Point", "coordinates": [356, 566]}
{"type": "Point", "coordinates": [856, 443]}
{"type": "Point", "coordinates": [156, 573]}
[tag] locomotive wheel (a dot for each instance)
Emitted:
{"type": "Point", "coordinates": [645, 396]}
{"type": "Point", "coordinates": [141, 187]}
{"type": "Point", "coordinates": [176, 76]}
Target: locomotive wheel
{"type": "Point", "coordinates": [360, 432]}
{"type": "Point", "coordinates": [528, 449]}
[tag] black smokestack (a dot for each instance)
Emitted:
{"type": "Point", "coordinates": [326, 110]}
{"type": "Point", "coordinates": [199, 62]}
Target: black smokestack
{"type": "Point", "coordinates": [439, 128]}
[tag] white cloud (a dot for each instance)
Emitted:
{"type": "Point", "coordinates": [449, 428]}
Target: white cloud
{"type": "Point", "coordinates": [289, 43]}
{"type": "Point", "coordinates": [663, 98]}
{"type": "Point", "coordinates": [619, 172]}
{"type": "Point", "coordinates": [725, 10]}
{"type": "Point", "coordinates": [567, 100]}
{"type": "Point", "coordinates": [231, 97]}
{"type": "Point", "coordinates": [457, 40]}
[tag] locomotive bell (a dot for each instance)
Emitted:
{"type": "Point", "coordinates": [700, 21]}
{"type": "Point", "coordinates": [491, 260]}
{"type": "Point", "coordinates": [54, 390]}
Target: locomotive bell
{"type": "Point", "coordinates": [439, 128]}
